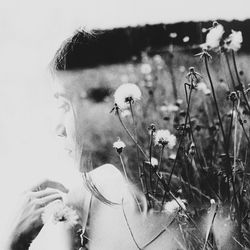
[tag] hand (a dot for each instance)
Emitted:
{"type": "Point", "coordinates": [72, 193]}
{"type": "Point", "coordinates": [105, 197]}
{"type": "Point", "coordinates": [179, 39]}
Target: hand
{"type": "Point", "coordinates": [27, 222]}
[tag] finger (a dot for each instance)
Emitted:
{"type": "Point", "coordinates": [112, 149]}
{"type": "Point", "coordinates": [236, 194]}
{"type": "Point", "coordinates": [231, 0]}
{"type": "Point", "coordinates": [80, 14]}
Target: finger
{"type": "Point", "coordinates": [46, 192]}
{"type": "Point", "coordinates": [49, 184]}
{"type": "Point", "coordinates": [48, 199]}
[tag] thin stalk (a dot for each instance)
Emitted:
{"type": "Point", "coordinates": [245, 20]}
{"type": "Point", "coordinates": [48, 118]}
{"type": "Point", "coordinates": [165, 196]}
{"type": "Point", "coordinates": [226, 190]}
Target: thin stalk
{"type": "Point", "coordinates": [215, 100]}
{"type": "Point", "coordinates": [230, 127]}
{"type": "Point", "coordinates": [239, 81]}
{"type": "Point", "coordinates": [127, 180]}
{"type": "Point", "coordinates": [159, 167]}
{"type": "Point", "coordinates": [150, 157]}
{"type": "Point", "coordinates": [132, 137]}
{"type": "Point", "coordinates": [123, 167]}
{"type": "Point", "coordinates": [235, 141]}
{"type": "Point", "coordinates": [129, 228]}
{"type": "Point", "coordinates": [230, 71]}
{"type": "Point", "coordinates": [182, 136]}
{"type": "Point", "coordinates": [141, 173]}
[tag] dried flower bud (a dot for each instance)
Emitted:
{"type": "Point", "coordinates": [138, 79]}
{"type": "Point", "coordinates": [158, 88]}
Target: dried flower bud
{"type": "Point", "coordinates": [119, 146]}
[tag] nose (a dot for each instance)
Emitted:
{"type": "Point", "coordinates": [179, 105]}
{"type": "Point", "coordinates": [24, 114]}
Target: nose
{"type": "Point", "coordinates": [61, 131]}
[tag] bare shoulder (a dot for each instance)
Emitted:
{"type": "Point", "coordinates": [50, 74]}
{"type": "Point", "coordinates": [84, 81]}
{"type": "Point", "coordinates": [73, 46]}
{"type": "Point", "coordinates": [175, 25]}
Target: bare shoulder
{"type": "Point", "coordinates": [109, 181]}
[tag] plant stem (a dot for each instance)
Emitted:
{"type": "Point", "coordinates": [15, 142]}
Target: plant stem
{"type": "Point", "coordinates": [239, 81]}
{"type": "Point", "coordinates": [132, 137]}
{"type": "Point", "coordinates": [182, 136]}
{"type": "Point", "coordinates": [215, 99]}
{"type": "Point", "coordinates": [230, 71]}
{"type": "Point", "coordinates": [150, 157]}
{"type": "Point", "coordinates": [124, 168]}
{"type": "Point", "coordinates": [159, 166]}
{"type": "Point", "coordinates": [129, 228]}
{"type": "Point", "coordinates": [141, 173]}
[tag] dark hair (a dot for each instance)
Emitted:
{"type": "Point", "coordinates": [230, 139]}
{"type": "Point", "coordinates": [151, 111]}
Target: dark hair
{"type": "Point", "coordinates": [90, 49]}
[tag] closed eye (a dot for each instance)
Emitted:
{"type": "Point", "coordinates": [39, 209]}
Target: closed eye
{"type": "Point", "coordinates": [98, 94]}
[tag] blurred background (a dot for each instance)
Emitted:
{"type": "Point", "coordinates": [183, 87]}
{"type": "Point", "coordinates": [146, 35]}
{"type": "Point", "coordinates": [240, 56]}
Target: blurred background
{"type": "Point", "coordinates": [31, 31]}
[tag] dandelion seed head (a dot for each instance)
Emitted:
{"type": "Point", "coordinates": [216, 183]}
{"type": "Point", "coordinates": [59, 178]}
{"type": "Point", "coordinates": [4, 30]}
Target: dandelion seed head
{"type": "Point", "coordinates": [154, 162]}
{"type": "Point", "coordinates": [146, 68]}
{"type": "Point", "coordinates": [213, 37]}
{"type": "Point", "coordinates": [59, 212]}
{"type": "Point", "coordinates": [126, 93]}
{"type": "Point", "coordinates": [175, 205]}
{"type": "Point", "coordinates": [173, 35]}
{"type": "Point", "coordinates": [234, 41]}
{"type": "Point", "coordinates": [186, 39]}
{"type": "Point", "coordinates": [119, 146]}
{"type": "Point", "coordinates": [164, 138]}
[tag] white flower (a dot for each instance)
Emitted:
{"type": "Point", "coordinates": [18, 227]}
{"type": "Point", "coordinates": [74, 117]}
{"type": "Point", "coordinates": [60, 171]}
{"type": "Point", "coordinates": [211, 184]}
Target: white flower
{"type": "Point", "coordinates": [164, 138]}
{"type": "Point", "coordinates": [154, 162]}
{"type": "Point", "coordinates": [234, 41]}
{"type": "Point", "coordinates": [126, 93]}
{"type": "Point", "coordinates": [146, 69]}
{"type": "Point", "coordinates": [174, 206]}
{"type": "Point", "coordinates": [186, 39]}
{"type": "Point", "coordinates": [203, 30]}
{"type": "Point", "coordinates": [119, 146]}
{"type": "Point", "coordinates": [203, 87]}
{"type": "Point", "coordinates": [212, 201]}
{"type": "Point", "coordinates": [59, 212]}
{"type": "Point", "coordinates": [214, 36]}
{"type": "Point", "coordinates": [173, 35]}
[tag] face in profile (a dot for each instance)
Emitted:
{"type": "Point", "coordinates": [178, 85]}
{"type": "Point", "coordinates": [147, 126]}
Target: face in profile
{"type": "Point", "coordinates": [84, 124]}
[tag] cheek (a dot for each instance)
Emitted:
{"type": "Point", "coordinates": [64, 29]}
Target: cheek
{"type": "Point", "coordinates": [69, 123]}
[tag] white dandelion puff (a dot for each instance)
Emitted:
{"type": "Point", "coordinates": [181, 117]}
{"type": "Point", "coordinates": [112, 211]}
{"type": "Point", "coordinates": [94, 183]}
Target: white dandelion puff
{"type": "Point", "coordinates": [154, 162]}
{"type": "Point", "coordinates": [125, 94]}
{"type": "Point", "coordinates": [164, 138]}
{"type": "Point", "coordinates": [234, 41]}
{"type": "Point", "coordinates": [173, 35]}
{"type": "Point", "coordinates": [174, 205]}
{"type": "Point", "coordinates": [213, 37]}
{"type": "Point", "coordinates": [146, 68]}
{"type": "Point", "coordinates": [59, 212]}
{"type": "Point", "coordinates": [186, 39]}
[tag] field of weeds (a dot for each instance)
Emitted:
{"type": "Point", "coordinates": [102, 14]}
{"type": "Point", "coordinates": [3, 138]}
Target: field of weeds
{"type": "Point", "coordinates": [182, 135]}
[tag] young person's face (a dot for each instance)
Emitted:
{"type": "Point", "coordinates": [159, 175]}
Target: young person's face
{"type": "Point", "coordinates": [82, 121]}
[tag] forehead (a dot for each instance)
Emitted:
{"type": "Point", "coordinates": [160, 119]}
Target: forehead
{"type": "Point", "coordinates": [74, 82]}
{"type": "Point", "coordinates": [69, 84]}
